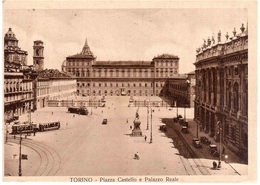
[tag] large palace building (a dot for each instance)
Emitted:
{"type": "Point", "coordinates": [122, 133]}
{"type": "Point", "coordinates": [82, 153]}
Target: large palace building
{"type": "Point", "coordinates": [221, 103]}
{"type": "Point", "coordinates": [119, 78]}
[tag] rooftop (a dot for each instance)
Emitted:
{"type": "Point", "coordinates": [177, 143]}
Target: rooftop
{"type": "Point", "coordinates": [166, 56]}
{"type": "Point", "coordinates": [123, 63]}
{"type": "Point", "coordinates": [53, 73]}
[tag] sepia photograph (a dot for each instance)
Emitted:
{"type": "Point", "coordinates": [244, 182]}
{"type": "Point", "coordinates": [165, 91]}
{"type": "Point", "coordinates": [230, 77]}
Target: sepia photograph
{"type": "Point", "coordinates": [134, 91]}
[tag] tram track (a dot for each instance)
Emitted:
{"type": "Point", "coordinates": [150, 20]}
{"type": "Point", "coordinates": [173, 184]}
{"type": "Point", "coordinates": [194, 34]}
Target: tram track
{"type": "Point", "coordinates": [189, 153]}
{"type": "Point", "coordinates": [50, 160]}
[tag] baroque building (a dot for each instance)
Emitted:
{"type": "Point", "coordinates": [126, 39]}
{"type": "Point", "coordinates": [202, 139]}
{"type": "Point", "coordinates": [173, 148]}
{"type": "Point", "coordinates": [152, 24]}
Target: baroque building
{"type": "Point", "coordinates": [14, 57]}
{"type": "Point", "coordinates": [221, 103]}
{"type": "Point", "coordinates": [116, 78]}
{"type": "Point", "coordinates": [27, 88]}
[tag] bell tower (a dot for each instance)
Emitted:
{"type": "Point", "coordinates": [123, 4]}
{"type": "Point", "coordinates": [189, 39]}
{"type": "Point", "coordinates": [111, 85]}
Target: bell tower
{"type": "Point", "coordinates": [38, 57]}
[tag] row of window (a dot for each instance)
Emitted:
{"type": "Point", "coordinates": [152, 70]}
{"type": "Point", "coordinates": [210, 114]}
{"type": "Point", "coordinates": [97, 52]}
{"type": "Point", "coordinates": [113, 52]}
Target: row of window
{"type": "Point", "coordinates": [25, 96]}
{"type": "Point", "coordinates": [116, 92]}
{"type": "Point", "coordinates": [120, 84]}
{"type": "Point", "coordinates": [166, 63]}
{"type": "Point", "coordinates": [78, 63]}
{"type": "Point", "coordinates": [54, 89]}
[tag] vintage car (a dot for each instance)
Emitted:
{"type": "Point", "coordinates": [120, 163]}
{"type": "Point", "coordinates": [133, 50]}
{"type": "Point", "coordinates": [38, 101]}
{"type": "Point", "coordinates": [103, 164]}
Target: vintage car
{"type": "Point", "coordinates": [163, 128]}
{"type": "Point", "coordinates": [104, 122]}
{"type": "Point", "coordinates": [183, 122]}
{"type": "Point", "coordinates": [196, 143]}
{"type": "Point", "coordinates": [184, 130]}
{"type": "Point", "coordinates": [213, 150]}
{"type": "Point", "coordinates": [204, 140]}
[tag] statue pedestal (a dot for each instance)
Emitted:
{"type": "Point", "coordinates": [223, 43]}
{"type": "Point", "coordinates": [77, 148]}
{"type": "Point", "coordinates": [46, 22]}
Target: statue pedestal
{"type": "Point", "coordinates": [136, 132]}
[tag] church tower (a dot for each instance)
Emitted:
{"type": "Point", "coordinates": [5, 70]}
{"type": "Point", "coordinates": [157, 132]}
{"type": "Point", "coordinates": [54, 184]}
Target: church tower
{"type": "Point", "coordinates": [38, 57]}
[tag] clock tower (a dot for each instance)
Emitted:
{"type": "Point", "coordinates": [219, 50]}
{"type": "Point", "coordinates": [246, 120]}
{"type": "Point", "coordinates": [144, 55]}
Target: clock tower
{"type": "Point", "coordinates": [38, 57]}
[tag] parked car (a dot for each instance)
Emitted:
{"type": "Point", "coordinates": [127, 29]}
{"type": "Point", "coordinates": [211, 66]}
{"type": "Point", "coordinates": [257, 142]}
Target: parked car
{"type": "Point", "coordinates": [162, 128]}
{"type": "Point", "coordinates": [104, 122]}
{"type": "Point", "coordinates": [213, 150]}
{"type": "Point", "coordinates": [176, 119]}
{"type": "Point", "coordinates": [205, 140]}
{"type": "Point", "coordinates": [196, 143]}
{"type": "Point", "coordinates": [184, 130]}
{"type": "Point", "coordinates": [182, 122]}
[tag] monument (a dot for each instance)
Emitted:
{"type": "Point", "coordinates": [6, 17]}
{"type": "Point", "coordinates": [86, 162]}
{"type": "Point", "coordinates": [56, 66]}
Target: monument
{"type": "Point", "coordinates": [137, 131]}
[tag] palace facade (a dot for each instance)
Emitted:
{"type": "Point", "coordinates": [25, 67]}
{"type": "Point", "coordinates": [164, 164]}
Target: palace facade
{"type": "Point", "coordinates": [221, 103]}
{"type": "Point", "coordinates": [116, 78]}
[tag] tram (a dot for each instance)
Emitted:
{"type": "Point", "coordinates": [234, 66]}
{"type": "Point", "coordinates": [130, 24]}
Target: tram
{"type": "Point", "coordinates": [23, 128]}
{"type": "Point", "coordinates": [78, 110]}
{"type": "Point", "coordinates": [26, 127]}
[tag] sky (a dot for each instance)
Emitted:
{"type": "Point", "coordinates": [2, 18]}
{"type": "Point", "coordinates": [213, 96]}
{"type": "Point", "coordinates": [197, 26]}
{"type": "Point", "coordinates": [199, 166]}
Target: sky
{"type": "Point", "coordinates": [121, 34]}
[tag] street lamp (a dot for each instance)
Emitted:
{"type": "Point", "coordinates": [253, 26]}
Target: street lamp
{"type": "Point", "coordinates": [147, 118]}
{"type": "Point", "coordinates": [219, 131]}
{"type": "Point", "coordinates": [6, 136]}
{"type": "Point", "coordinates": [148, 114]}
{"type": "Point", "coordinates": [151, 136]}
{"type": "Point", "coordinates": [20, 155]}
{"type": "Point", "coordinates": [186, 100]}
{"type": "Point", "coordinates": [198, 127]}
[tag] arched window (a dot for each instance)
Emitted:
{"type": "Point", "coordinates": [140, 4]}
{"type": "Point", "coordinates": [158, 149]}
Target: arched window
{"type": "Point", "coordinates": [140, 72]}
{"type": "Point", "coordinates": [134, 73]}
{"type": "Point", "coordinates": [236, 97]}
{"type": "Point", "coordinates": [128, 73]}
{"type": "Point", "coordinates": [229, 96]}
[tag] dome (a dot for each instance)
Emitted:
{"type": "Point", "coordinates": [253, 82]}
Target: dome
{"type": "Point", "coordinates": [64, 63]}
{"type": "Point", "coordinates": [10, 34]}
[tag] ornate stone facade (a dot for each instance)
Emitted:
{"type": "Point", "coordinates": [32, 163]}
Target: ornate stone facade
{"type": "Point", "coordinates": [222, 90]}
{"type": "Point", "coordinates": [115, 78]}
{"type": "Point", "coordinates": [14, 57]}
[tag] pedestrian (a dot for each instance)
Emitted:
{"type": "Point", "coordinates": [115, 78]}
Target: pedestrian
{"type": "Point", "coordinates": [66, 124]}
{"type": "Point", "coordinates": [52, 113]}
{"type": "Point", "coordinates": [136, 156]}
{"type": "Point", "coordinates": [126, 120]}
{"type": "Point", "coordinates": [145, 137]}
{"type": "Point", "coordinates": [214, 165]}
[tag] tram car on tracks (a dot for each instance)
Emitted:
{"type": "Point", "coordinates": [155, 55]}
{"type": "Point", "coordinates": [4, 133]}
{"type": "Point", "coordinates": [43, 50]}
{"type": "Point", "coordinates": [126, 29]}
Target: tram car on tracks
{"type": "Point", "coordinates": [48, 126]}
{"type": "Point", "coordinates": [23, 128]}
{"type": "Point", "coordinates": [78, 110]}
{"type": "Point", "coordinates": [26, 127]}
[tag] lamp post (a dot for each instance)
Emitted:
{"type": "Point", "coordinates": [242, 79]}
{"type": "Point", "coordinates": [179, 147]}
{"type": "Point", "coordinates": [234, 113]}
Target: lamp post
{"type": "Point", "coordinates": [20, 155]}
{"type": "Point", "coordinates": [6, 136]}
{"type": "Point", "coordinates": [147, 128]}
{"type": "Point", "coordinates": [186, 100]}
{"type": "Point", "coordinates": [198, 127]}
{"type": "Point", "coordinates": [148, 104]}
{"type": "Point", "coordinates": [176, 104]}
{"type": "Point", "coordinates": [219, 130]}
{"type": "Point", "coordinates": [151, 135]}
